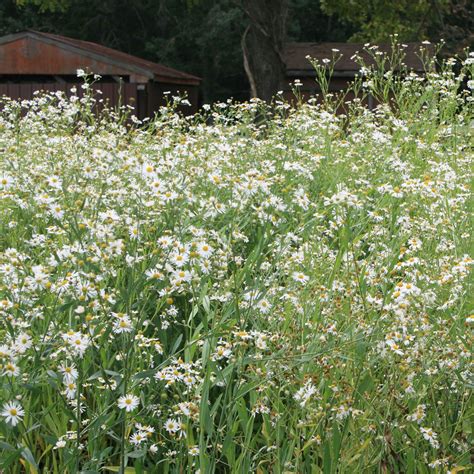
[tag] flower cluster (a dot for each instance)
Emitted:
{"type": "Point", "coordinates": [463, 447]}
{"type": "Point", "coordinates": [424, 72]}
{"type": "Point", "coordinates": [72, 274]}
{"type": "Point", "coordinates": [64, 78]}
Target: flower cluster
{"type": "Point", "coordinates": [245, 289]}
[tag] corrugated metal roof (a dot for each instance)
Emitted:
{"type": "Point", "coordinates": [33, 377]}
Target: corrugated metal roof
{"type": "Point", "coordinates": [127, 61]}
{"type": "Point", "coordinates": [294, 55]}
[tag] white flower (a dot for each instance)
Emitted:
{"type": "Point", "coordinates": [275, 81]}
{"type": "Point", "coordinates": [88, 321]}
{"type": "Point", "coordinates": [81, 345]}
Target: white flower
{"type": "Point", "coordinates": [394, 346]}
{"type": "Point", "coordinates": [430, 436]}
{"type": "Point", "coordinates": [128, 402]}
{"type": "Point", "coordinates": [172, 426]}
{"type": "Point", "coordinates": [13, 412]}
{"type": "Point", "coordinates": [205, 250]}
{"type": "Point", "coordinates": [179, 259]}
{"type": "Point", "coordinates": [60, 444]}
{"type": "Point", "coordinates": [300, 277]}
{"type": "Point", "coordinates": [54, 182]}
{"type": "Point", "coordinates": [69, 372]}
{"type": "Point", "coordinates": [70, 390]}
{"type": "Point", "coordinates": [264, 306]}
{"type": "Point", "coordinates": [122, 324]}
{"type": "Point", "coordinates": [138, 438]}
{"type": "Point", "coordinates": [5, 181]}
{"type": "Point", "coordinates": [193, 451]}
{"type": "Point", "coordinates": [305, 393]}
{"type": "Point", "coordinates": [11, 369]}
{"type": "Point", "coordinates": [133, 231]}
{"type": "Point", "coordinates": [260, 343]}
{"type": "Point", "coordinates": [78, 342]}
{"type": "Point", "coordinates": [181, 276]}
{"type": "Point", "coordinates": [418, 415]}
{"type": "Point", "coordinates": [22, 343]}
{"type": "Point", "coordinates": [154, 274]}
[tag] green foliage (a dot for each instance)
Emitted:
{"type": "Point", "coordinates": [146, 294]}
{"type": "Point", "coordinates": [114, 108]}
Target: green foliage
{"type": "Point", "coordinates": [47, 5]}
{"type": "Point", "coordinates": [271, 289]}
{"type": "Point", "coordinates": [376, 20]}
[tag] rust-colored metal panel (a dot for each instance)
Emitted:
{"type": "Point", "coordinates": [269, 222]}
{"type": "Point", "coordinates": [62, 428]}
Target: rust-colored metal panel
{"type": "Point", "coordinates": [28, 56]}
{"type": "Point", "coordinates": [138, 65]}
{"type": "Point", "coordinates": [34, 52]}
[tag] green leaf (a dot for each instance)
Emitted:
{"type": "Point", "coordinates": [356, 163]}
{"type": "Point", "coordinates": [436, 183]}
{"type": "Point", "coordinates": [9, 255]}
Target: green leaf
{"type": "Point", "coordinates": [7, 461]}
{"type": "Point", "coordinates": [128, 470]}
{"type": "Point", "coordinates": [27, 455]}
{"type": "Point", "coordinates": [139, 453]}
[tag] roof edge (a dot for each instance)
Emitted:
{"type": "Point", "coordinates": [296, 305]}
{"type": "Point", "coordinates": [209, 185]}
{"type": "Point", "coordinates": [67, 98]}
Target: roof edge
{"type": "Point", "coordinates": [87, 53]}
{"type": "Point", "coordinates": [175, 76]}
{"type": "Point", "coordinates": [74, 46]}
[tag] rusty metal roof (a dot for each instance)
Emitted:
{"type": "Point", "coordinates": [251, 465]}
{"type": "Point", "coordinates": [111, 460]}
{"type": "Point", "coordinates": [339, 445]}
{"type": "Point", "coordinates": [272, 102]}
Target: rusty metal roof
{"type": "Point", "coordinates": [99, 53]}
{"type": "Point", "coordinates": [294, 55]}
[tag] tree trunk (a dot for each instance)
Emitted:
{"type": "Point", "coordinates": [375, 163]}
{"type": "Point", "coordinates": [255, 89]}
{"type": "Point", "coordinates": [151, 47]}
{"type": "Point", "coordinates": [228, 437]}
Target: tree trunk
{"type": "Point", "coordinates": [262, 46]}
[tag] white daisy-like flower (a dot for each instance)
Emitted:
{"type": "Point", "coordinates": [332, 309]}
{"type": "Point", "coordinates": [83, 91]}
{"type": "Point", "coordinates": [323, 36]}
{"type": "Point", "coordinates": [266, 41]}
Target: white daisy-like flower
{"type": "Point", "coordinates": [193, 451]}
{"type": "Point", "coordinates": [172, 426]}
{"type": "Point", "coordinates": [13, 412]}
{"type": "Point", "coordinates": [69, 372]}
{"type": "Point", "coordinates": [11, 369]}
{"type": "Point", "coordinates": [22, 343]}
{"type": "Point", "coordinates": [70, 390]}
{"type": "Point", "coordinates": [138, 438]}
{"type": "Point", "coordinates": [179, 259]}
{"type": "Point", "coordinates": [122, 324]}
{"type": "Point", "coordinates": [300, 277]}
{"type": "Point", "coordinates": [78, 342]}
{"type": "Point", "coordinates": [205, 250]}
{"type": "Point", "coordinates": [264, 306]}
{"type": "Point", "coordinates": [128, 402]}
{"type": "Point", "coordinates": [430, 436]}
{"type": "Point", "coordinates": [54, 182]}
{"type": "Point", "coordinates": [61, 443]}
{"type": "Point", "coordinates": [6, 181]}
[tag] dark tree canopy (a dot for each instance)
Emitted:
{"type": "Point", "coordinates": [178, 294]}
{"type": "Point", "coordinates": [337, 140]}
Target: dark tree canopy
{"type": "Point", "coordinates": [208, 37]}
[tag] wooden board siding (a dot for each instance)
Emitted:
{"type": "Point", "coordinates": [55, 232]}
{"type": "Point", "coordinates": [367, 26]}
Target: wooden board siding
{"type": "Point", "coordinates": [145, 98]}
{"type": "Point", "coordinates": [112, 94]}
{"type": "Point", "coordinates": [294, 55]}
{"type": "Point", "coordinates": [157, 98]}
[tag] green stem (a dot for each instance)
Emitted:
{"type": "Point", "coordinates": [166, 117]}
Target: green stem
{"type": "Point", "coordinates": [122, 444]}
{"type": "Point", "coordinates": [78, 415]}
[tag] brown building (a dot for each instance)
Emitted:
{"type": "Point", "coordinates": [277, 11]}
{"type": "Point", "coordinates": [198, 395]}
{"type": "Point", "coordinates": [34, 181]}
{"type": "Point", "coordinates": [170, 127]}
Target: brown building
{"type": "Point", "coordinates": [32, 60]}
{"type": "Point", "coordinates": [346, 68]}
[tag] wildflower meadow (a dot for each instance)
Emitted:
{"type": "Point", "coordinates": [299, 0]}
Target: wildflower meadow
{"type": "Point", "coordinates": [255, 288]}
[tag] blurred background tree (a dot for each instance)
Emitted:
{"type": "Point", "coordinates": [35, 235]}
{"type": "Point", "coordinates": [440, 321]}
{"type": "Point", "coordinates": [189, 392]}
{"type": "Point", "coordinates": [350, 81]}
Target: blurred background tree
{"type": "Point", "coordinates": [412, 20]}
{"type": "Point", "coordinates": [205, 37]}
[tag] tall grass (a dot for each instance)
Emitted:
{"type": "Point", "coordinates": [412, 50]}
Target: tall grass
{"type": "Point", "coordinates": [267, 290]}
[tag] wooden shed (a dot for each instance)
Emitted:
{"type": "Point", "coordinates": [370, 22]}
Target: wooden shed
{"type": "Point", "coordinates": [32, 60]}
{"type": "Point", "coordinates": [346, 68]}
